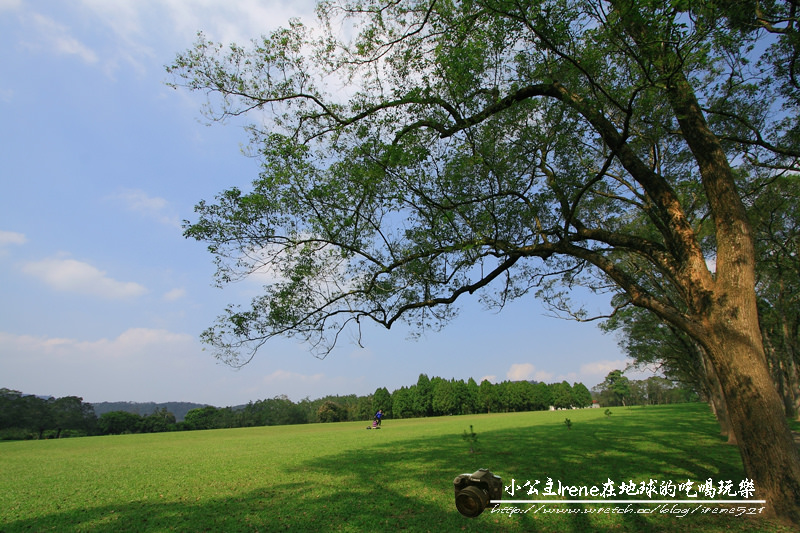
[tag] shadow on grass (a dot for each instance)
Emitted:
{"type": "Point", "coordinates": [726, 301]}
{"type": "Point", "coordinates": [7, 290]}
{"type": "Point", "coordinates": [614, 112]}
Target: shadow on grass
{"type": "Point", "coordinates": [593, 451]}
{"type": "Point", "coordinates": [391, 483]}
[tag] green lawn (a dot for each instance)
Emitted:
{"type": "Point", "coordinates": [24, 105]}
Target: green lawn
{"type": "Point", "coordinates": [341, 477]}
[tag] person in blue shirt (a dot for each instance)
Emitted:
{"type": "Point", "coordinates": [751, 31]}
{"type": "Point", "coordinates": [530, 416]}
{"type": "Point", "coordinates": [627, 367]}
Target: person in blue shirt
{"type": "Point", "coordinates": [379, 416]}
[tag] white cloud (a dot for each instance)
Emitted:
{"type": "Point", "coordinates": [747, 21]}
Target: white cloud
{"type": "Point", "coordinates": [135, 344]}
{"type": "Point", "coordinates": [153, 207]}
{"type": "Point", "coordinates": [491, 378]}
{"type": "Point", "coordinates": [526, 371]}
{"type": "Point", "coordinates": [10, 5]}
{"type": "Point", "coordinates": [11, 237]}
{"type": "Point", "coordinates": [281, 376]}
{"type": "Point", "coordinates": [71, 275]}
{"type": "Point", "coordinates": [174, 294]}
{"type": "Point", "coordinates": [139, 201]}
{"type": "Point", "coordinates": [237, 21]}
{"type": "Point", "coordinates": [600, 369]}
{"type": "Point", "coordinates": [520, 371]}
{"type": "Point", "coordinates": [588, 373]}
{"type": "Point", "coordinates": [305, 385]}
{"type": "Point", "coordinates": [142, 29]}
{"type": "Point", "coordinates": [57, 38]}
{"type": "Point", "coordinates": [140, 364]}
{"type": "Point", "coordinates": [597, 371]}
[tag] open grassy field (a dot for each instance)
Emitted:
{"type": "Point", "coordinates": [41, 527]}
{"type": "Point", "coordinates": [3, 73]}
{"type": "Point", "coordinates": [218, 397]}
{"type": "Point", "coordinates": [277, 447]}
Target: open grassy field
{"type": "Point", "coordinates": [341, 477]}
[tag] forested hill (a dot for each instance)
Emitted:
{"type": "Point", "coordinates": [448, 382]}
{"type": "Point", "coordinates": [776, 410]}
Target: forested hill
{"type": "Point", "coordinates": [179, 409]}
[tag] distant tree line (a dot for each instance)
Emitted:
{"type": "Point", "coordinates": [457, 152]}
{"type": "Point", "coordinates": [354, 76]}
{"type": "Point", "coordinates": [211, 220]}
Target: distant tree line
{"type": "Point", "coordinates": [617, 389]}
{"type": "Point", "coordinates": [179, 409]}
{"type": "Point", "coordinates": [25, 416]}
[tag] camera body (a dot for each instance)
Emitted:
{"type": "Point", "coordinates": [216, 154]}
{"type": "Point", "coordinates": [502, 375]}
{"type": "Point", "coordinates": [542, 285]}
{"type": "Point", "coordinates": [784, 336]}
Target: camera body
{"type": "Point", "coordinates": [474, 491]}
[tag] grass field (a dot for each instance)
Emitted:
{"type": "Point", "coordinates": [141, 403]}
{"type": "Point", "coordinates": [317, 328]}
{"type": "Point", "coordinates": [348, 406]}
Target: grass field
{"type": "Point", "coordinates": [341, 477]}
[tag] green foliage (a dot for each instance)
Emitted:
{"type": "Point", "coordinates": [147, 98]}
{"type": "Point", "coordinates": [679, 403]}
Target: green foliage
{"type": "Point", "coordinates": [423, 396]}
{"type": "Point", "coordinates": [509, 149]}
{"type": "Point", "coordinates": [607, 412]}
{"type": "Point", "coordinates": [119, 422]}
{"type": "Point", "coordinates": [27, 416]}
{"type": "Point", "coordinates": [500, 133]}
{"type": "Point", "coordinates": [488, 396]}
{"type": "Point", "coordinates": [562, 395]}
{"type": "Point", "coordinates": [381, 399]}
{"type": "Point", "coordinates": [568, 423]}
{"type": "Point", "coordinates": [617, 389]}
{"type": "Point", "coordinates": [34, 417]}
{"type": "Point", "coordinates": [403, 402]}
{"type": "Point", "coordinates": [542, 397]}
{"type": "Point", "coordinates": [581, 397]}
{"type": "Point", "coordinates": [331, 412]}
{"type": "Point", "coordinates": [158, 421]}
{"type": "Point", "coordinates": [443, 400]}
{"type": "Point", "coordinates": [202, 418]}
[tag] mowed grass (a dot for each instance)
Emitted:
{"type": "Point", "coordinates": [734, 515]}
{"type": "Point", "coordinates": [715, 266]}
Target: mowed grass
{"type": "Point", "coordinates": [341, 477]}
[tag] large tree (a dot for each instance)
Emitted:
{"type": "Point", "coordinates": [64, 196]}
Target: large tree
{"type": "Point", "coordinates": [615, 388]}
{"type": "Point", "coordinates": [500, 147]}
{"type": "Point", "coordinates": [775, 215]}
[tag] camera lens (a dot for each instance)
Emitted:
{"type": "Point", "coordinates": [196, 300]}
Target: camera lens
{"type": "Point", "coordinates": [471, 501]}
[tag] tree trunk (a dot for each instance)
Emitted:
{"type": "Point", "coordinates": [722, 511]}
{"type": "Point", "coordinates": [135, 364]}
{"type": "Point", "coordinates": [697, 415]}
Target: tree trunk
{"type": "Point", "coordinates": [717, 399]}
{"type": "Point", "coordinates": [778, 369]}
{"type": "Point", "coordinates": [769, 455]}
{"type": "Point", "coordinates": [728, 324]}
{"type": "Point", "coordinates": [790, 366]}
{"type": "Point", "coordinates": [794, 384]}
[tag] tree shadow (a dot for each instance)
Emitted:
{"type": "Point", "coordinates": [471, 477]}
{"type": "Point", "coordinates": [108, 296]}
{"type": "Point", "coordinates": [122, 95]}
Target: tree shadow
{"type": "Point", "coordinates": [589, 454]}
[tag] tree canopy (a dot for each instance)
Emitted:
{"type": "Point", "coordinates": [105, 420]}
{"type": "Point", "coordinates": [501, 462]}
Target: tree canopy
{"type": "Point", "coordinates": [417, 152]}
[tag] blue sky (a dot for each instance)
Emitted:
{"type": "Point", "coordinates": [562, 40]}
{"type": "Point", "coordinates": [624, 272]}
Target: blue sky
{"type": "Point", "coordinates": [101, 295]}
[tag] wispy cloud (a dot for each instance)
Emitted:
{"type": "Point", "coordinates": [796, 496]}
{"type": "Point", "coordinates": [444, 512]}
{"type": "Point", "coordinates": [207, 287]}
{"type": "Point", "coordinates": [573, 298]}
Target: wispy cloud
{"type": "Point", "coordinates": [601, 369]}
{"type": "Point", "coordinates": [526, 371]}
{"type": "Point", "coordinates": [596, 372]}
{"type": "Point", "coordinates": [140, 31]}
{"type": "Point", "coordinates": [129, 344]}
{"type": "Point", "coordinates": [152, 207]}
{"type": "Point", "coordinates": [57, 38]}
{"type": "Point", "coordinates": [174, 294]}
{"type": "Point", "coordinates": [10, 5]}
{"type": "Point", "coordinates": [280, 376]}
{"type": "Point", "coordinates": [138, 34]}
{"type": "Point", "coordinates": [140, 364]}
{"type": "Point", "coordinates": [71, 275]}
{"type": "Point", "coordinates": [312, 385]}
{"type": "Point", "coordinates": [237, 21]}
{"type": "Point", "coordinates": [11, 237]}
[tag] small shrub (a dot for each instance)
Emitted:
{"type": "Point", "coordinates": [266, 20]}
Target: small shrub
{"type": "Point", "coordinates": [471, 438]}
{"type": "Point", "coordinates": [568, 423]}
{"type": "Point", "coordinates": [607, 412]}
